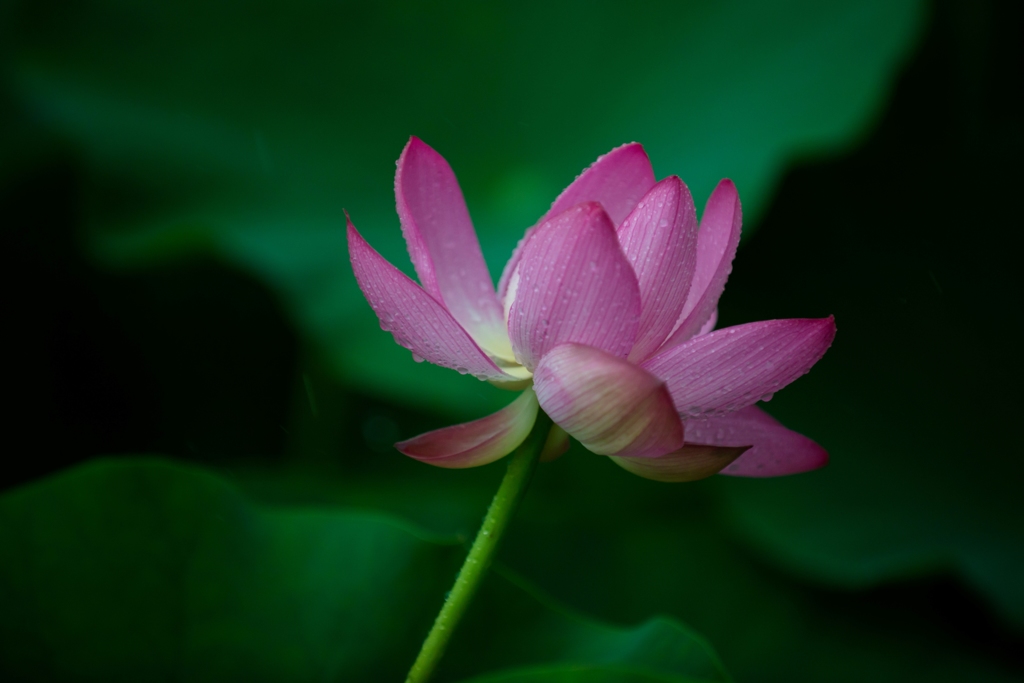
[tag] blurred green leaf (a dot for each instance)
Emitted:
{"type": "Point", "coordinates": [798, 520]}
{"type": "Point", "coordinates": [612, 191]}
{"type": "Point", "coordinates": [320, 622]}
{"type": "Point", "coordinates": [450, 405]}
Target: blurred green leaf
{"type": "Point", "coordinates": [542, 630]}
{"type": "Point", "coordinates": [134, 569]}
{"type": "Point", "coordinates": [244, 129]}
{"type": "Point", "coordinates": [637, 546]}
{"type": "Point", "coordinates": [621, 548]}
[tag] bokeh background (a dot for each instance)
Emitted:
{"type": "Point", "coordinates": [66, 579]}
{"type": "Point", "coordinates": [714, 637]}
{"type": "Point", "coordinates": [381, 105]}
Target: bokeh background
{"type": "Point", "coordinates": [199, 482]}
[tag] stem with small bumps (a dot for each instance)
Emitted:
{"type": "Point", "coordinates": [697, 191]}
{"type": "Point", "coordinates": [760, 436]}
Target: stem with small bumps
{"type": "Point", "coordinates": [520, 470]}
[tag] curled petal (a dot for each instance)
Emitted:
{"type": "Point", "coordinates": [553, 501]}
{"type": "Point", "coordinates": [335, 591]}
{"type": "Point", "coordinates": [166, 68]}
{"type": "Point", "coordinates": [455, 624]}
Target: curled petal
{"type": "Point", "coordinates": [689, 463]}
{"type": "Point", "coordinates": [443, 245]}
{"type": "Point", "coordinates": [659, 239]}
{"type": "Point", "coordinates": [608, 404]}
{"type": "Point", "coordinates": [774, 450]}
{"type": "Point", "coordinates": [416, 320]}
{"type": "Point", "coordinates": [717, 239]}
{"type": "Point", "coordinates": [735, 367]}
{"type": "Point", "coordinates": [574, 285]}
{"type": "Point", "coordinates": [479, 442]}
{"type": "Point", "coordinates": [617, 181]}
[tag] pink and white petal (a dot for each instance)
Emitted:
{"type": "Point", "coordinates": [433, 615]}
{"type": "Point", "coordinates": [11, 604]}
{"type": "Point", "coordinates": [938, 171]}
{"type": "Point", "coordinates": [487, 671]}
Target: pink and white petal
{"type": "Point", "coordinates": [659, 238]}
{"type": "Point", "coordinates": [606, 403]}
{"type": "Point", "coordinates": [575, 285]}
{"type": "Point", "coordinates": [617, 180]}
{"type": "Point", "coordinates": [476, 443]}
{"type": "Point", "coordinates": [733, 368]}
{"type": "Point", "coordinates": [416, 320]}
{"type": "Point", "coordinates": [443, 245]}
{"type": "Point", "coordinates": [689, 463]}
{"type": "Point", "coordinates": [775, 451]}
{"type": "Point", "coordinates": [717, 239]}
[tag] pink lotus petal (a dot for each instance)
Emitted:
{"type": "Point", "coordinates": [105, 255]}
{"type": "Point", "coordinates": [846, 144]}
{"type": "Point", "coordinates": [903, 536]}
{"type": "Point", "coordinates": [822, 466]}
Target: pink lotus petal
{"type": "Point", "coordinates": [733, 368]}
{"type": "Point", "coordinates": [659, 238]}
{"type": "Point", "coordinates": [717, 239]}
{"type": "Point", "coordinates": [417, 321]}
{"type": "Point", "coordinates": [443, 245]}
{"type": "Point", "coordinates": [575, 285]}
{"type": "Point", "coordinates": [776, 451]}
{"type": "Point", "coordinates": [608, 404]}
{"type": "Point", "coordinates": [709, 326]}
{"type": "Point", "coordinates": [479, 442]}
{"type": "Point", "coordinates": [617, 180]}
{"type": "Point", "coordinates": [689, 463]}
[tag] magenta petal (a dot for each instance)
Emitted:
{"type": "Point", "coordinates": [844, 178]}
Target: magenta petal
{"type": "Point", "coordinates": [417, 321]}
{"type": "Point", "coordinates": [709, 326]}
{"type": "Point", "coordinates": [689, 463]}
{"type": "Point", "coordinates": [443, 245]}
{"type": "Point", "coordinates": [659, 238]}
{"type": "Point", "coordinates": [776, 451]}
{"type": "Point", "coordinates": [608, 404]}
{"type": "Point", "coordinates": [717, 239]}
{"type": "Point", "coordinates": [575, 285]}
{"type": "Point", "coordinates": [735, 367]}
{"type": "Point", "coordinates": [617, 180]}
{"type": "Point", "coordinates": [479, 442]}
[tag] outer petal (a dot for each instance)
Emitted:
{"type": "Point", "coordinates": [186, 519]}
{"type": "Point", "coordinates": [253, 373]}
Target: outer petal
{"type": "Point", "coordinates": [575, 285]}
{"type": "Point", "coordinates": [617, 180]}
{"type": "Point", "coordinates": [479, 442]}
{"type": "Point", "coordinates": [689, 463]}
{"type": "Point", "coordinates": [417, 321]}
{"type": "Point", "coordinates": [733, 368]}
{"type": "Point", "coordinates": [443, 245]}
{"type": "Point", "coordinates": [608, 404]}
{"type": "Point", "coordinates": [659, 238]}
{"type": "Point", "coordinates": [775, 451]}
{"type": "Point", "coordinates": [717, 240]}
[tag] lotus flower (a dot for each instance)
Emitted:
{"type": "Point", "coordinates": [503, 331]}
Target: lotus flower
{"type": "Point", "coordinates": [603, 316]}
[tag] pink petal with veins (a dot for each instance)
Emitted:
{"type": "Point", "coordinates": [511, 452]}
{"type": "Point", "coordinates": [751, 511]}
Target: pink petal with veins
{"type": "Point", "coordinates": [416, 320]}
{"type": "Point", "coordinates": [775, 451]}
{"type": "Point", "coordinates": [574, 285]}
{"type": "Point", "coordinates": [717, 239]}
{"type": "Point", "coordinates": [479, 442]}
{"type": "Point", "coordinates": [443, 245]}
{"type": "Point", "coordinates": [709, 326]}
{"type": "Point", "coordinates": [617, 180]}
{"type": "Point", "coordinates": [735, 367]}
{"type": "Point", "coordinates": [608, 404]}
{"type": "Point", "coordinates": [689, 463]}
{"type": "Point", "coordinates": [659, 238]}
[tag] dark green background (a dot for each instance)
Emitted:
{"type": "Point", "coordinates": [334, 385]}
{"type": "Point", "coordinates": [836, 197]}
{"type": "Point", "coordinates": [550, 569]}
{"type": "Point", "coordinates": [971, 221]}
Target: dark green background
{"type": "Point", "coordinates": [199, 478]}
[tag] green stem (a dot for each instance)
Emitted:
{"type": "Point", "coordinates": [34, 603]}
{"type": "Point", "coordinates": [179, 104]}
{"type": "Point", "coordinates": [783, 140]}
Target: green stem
{"type": "Point", "coordinates": [506, 500]}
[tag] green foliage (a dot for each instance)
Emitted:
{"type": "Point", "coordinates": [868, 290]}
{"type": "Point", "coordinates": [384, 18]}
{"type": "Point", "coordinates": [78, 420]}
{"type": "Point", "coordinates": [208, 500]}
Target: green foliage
{"type": "Point", "coordinates": [134, 569]}
{"type": "Point", "coordinates": [245, 131]}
